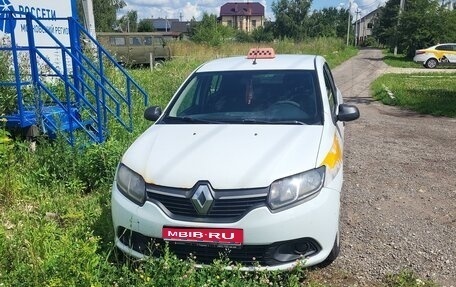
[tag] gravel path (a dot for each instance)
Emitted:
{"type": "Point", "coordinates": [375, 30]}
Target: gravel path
{"type": "Point", "coordinates": [399, 197]}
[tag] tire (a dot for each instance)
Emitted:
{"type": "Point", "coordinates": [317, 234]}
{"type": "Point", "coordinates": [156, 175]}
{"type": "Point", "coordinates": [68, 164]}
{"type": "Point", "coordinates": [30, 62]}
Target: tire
{"type": "Point", "coordinates": [158, 64]}
{"type": "Point", "coordinates": [431, 63]}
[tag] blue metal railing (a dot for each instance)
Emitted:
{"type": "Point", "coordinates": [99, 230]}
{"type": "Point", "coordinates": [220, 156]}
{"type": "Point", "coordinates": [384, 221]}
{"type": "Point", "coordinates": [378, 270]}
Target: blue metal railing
{"type": "Point", "coordinates": [87, 98]}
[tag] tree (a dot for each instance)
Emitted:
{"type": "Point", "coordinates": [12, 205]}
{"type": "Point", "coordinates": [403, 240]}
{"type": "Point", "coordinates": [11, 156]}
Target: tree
{"type": "Point", "coordinates": [449, 22]}
{"type": "Point", "coordinates": [422, 23]}
{"type": "Point", "coordinates": [263, 34]}
{"type": "Point", "coordinates": [385, 28]}
{"type": "Point", "coordinates": [104, 12]}
{"type": "Point", "coordinates": [243, 37]}
{"type": "Point", "coordinates": [209, 31]}
{"type": "Point", "coordinates": [129, 21]}
{"type": "Point", "coordinates": [329, 22]}
{"type": "Point", "coordinates": [420, 26]}
{"type": "Point", "coordinates": [291, 18]}
{"type": "Point", "coordinates": [145, 25]}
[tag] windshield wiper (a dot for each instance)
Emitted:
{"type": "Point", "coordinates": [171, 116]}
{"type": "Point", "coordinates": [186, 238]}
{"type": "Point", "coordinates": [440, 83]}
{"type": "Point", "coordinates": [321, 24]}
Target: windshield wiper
{"type": "Point", "coordinates": [191, 120]}
{"type": "Point", "coordinates": [286, 122]}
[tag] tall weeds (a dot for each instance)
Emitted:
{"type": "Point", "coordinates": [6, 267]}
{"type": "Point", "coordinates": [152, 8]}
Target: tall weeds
{"type": "Point", "coordinates": [55, 220]}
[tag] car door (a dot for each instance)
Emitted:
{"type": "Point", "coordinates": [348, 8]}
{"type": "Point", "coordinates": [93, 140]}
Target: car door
{"type": "Point", "coordinates": [119, 48]}
{"type": "Point", "coordinates": [161, 50]}
{"type": "Point", "coordinates": [451, 54]}
{"type": "Point", "coordinates": [444, 53]}
{"type": "Point", "coordinates": [136, 49]}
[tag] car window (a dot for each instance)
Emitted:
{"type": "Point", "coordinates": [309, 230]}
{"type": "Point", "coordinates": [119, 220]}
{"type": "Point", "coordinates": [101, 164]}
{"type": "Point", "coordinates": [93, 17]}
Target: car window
{"type": "Point", "coordinates": [148, 40]}
{"type": "Point", "coordinates": [253, 96]}
{"type": "Point", "coordinates": [157, 41]}
{"type": "Point", "coordinates": [135, 41]}
{"type": "Point", "coordinates": [117, 41]}
{"type": "Point", "coordinates": [188, 100]}
{"type": "Point", "coordinates": [444, 48]}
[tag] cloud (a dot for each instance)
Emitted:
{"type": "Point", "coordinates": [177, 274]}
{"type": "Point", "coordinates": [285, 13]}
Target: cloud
{"type": "Point", "coordinates": [188, 9]}
{"type": "Point", "coordinates": [191, 11]}
{"type": "Point", "coordinates": [365, 6]}
{"type": "Point", "coordinates": [180, 8]}
{"type": "Point", "coordinates": [172, 9]}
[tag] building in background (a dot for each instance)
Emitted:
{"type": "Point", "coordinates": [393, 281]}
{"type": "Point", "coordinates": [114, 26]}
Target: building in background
{"type": "Point", "coordinates": [245, 16]}
{"type": "Point", "coordinates": [170, 28]}
{"type": "Point", "coordinates": [163, 24]}
{"type": "Point", "coordinates": [364, 26]}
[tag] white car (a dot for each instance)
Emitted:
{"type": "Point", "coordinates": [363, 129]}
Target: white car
{"type": "Point", "coordinates": [436, 55]}
{"type": "Point", "coordinates": [246, 160]}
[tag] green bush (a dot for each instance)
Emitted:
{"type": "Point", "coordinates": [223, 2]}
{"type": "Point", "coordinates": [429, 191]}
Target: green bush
{"type": "Point", "coordinates": [8, 103]}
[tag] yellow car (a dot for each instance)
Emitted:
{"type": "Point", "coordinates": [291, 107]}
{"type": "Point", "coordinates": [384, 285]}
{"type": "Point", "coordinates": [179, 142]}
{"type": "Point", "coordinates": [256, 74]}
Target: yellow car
{"type": "Point", "coordinates": [436, 55]}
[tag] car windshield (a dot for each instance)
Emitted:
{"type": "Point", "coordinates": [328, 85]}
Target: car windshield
{"type": "Point", "coordinates": [248, 97]}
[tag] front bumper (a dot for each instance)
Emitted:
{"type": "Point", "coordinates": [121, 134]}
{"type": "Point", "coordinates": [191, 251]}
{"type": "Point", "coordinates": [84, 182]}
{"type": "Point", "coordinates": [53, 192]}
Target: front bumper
{"type": "Point", "coordinates": [267, 236]}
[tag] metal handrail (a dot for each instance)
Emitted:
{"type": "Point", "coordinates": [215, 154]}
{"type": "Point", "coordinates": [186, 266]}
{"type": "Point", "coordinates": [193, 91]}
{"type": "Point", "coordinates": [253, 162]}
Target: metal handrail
{"type": "Point", "coordinates": [75, 83]}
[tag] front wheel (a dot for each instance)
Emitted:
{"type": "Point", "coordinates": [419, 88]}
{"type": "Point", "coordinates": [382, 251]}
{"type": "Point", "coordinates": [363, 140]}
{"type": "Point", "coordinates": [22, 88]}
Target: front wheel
{"type": "Point", "coordinates": [431, 63]}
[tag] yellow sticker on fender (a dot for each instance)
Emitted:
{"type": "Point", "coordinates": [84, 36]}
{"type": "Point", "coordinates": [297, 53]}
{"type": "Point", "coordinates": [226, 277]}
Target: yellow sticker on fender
{"type": "Point", "coordinates": [334, 157]}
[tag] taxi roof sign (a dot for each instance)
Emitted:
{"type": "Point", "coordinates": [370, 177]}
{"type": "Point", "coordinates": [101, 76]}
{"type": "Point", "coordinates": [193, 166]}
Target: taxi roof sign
{"type": "Point", "coordinates": [261, 53]}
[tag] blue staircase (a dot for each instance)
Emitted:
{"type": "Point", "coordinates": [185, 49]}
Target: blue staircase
{"type": "Point", "coordinates": [78, 97]}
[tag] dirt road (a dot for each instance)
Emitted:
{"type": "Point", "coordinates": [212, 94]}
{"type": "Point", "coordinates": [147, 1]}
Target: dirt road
{"type": "Point", "coordinates": [399, 197]}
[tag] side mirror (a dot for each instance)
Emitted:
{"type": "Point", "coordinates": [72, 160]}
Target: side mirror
{"type": "Point", "coordinates": [347, 113]}
{"type": "Point", "coordinates": [152, 113]}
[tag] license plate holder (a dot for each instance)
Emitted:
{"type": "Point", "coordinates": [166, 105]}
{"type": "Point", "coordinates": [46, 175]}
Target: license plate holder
{"type": "Point", "coordinates": [203, 236]}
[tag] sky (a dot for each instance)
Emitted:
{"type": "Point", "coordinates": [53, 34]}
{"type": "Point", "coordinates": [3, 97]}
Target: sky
{"type": "Point", "coordinates": [185, 10]}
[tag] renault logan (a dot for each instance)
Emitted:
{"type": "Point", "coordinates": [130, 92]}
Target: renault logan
{"type": "Point", "coordinates": [245, 161]}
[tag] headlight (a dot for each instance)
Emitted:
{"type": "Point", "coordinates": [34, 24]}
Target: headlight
{"type": "Point", "coordinates": [131, 184]}
{"type": "Point", "coordinates": [295, 188]}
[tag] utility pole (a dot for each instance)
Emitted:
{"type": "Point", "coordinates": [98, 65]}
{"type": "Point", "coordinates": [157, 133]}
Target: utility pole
{"type": "Point", "coordinates": [348, 23]}
{"type": "Point", "coordinates": [87, 6]}
{"type": "Point", "coordinates": [357, 26]}
{"type": "Point", "coordinates": [401, 8]}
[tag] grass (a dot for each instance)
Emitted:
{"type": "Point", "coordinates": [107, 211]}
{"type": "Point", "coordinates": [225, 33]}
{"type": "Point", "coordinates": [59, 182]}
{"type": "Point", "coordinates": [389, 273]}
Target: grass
{"type": "Point", "coordinates": [55, 217]}
{"type": "Point", "coordinates": [399, 61]}
{"type": "Point", "coordinates": [402, 61]}
{"type": "Point", "coordinates": [406, 278]}
{"type": "Point", "coordinates": [334, 50]}
{"type": "Point", "coordinates": [428, 93]}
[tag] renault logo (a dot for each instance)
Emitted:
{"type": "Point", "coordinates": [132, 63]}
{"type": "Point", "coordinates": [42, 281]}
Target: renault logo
{"type": "Point", "coordinates": [202, 199]}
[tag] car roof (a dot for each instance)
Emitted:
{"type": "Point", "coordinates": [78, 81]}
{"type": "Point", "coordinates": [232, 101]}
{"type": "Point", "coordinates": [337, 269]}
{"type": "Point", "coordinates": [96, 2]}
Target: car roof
{"type": "Point", "coordinates": [441, 45]}
{"type": "Point", "coordinates": [279, 62]}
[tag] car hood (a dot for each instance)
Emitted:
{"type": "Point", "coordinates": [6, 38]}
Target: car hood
{"type": "Point", "coordinates": [228, 156]}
